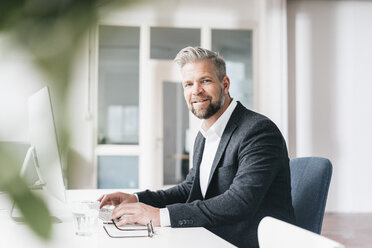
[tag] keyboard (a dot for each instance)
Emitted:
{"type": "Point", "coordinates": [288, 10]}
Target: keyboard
{"type": "Point", "coordinates": [105, 214]}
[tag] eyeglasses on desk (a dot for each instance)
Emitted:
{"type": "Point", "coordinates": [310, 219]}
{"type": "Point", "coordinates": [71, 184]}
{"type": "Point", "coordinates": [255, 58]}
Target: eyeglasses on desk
{"type": "Point", "coordinates": [149, 228]}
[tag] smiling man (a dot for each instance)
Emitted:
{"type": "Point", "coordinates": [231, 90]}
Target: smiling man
{"type": "Point", "coordinates": [205, 90]}
{"type": "Point", "coordinates": [240, 168]}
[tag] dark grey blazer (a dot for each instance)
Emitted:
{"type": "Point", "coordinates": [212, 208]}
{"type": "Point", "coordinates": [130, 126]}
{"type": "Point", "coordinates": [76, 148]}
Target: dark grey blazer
{"type": "Point", "coordinates": [249, 180]}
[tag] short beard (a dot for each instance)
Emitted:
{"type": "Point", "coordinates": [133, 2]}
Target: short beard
{"type": "Point", "coordinates": [211, 110]}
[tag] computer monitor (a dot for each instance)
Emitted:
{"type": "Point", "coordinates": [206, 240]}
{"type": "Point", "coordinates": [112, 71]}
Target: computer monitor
{"type": "Point", "coordinates": [44, 153]}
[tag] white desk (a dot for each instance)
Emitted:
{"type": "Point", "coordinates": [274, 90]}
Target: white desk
{"type": "Point", "coordinates": [18, 235]}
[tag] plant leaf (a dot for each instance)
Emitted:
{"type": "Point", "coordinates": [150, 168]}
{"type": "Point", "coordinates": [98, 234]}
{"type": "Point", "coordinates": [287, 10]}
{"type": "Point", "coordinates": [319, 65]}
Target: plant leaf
{"type": "Point", "coordinates": [33, 208]}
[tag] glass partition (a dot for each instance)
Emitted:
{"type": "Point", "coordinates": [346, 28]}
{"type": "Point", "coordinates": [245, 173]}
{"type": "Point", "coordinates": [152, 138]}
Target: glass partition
{"type": "Point", "coordinates": [167, 42]}
{"type": "Point", "coordinates": [175, 133]}
{"type": "Point", "coordinates": [118, 149]}
{"type": "Point", "coordinates": [235, 46]}
{"type": "Point", "coordinates": [118, 85]}
{"type": "Point", "coordinates": [117, 172]}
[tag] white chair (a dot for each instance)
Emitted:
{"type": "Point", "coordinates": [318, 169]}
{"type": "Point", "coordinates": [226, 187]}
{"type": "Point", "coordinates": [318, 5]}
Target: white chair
{"type": "Point", "coordinates": [276, 233]}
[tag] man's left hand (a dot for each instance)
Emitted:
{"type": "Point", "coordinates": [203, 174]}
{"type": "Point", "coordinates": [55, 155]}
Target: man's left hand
{"type": "Point", "coordinates": [136, 213]}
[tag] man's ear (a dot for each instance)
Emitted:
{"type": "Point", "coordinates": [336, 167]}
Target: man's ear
{"type": "Point", "coordinates": [226, 83]}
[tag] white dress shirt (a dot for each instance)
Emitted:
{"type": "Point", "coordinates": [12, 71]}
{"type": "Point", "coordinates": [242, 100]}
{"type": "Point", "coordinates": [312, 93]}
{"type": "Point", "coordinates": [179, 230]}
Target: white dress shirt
{"type": "Point", "coordinates": [212, 140]}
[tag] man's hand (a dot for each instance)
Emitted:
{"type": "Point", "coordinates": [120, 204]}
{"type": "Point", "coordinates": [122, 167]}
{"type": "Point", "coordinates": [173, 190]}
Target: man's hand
{"type": "Point", "coordinates": [116, 199]}
{"type": "Point", "coordinates": [136, 213]}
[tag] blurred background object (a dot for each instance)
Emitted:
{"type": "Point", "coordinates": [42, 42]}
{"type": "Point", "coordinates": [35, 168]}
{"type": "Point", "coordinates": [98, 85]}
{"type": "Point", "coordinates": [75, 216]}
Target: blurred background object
{"type": "Point", "coordinates": [49, 32]}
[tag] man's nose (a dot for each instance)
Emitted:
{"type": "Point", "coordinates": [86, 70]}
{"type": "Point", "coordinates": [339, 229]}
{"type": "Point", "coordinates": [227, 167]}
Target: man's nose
{"type": "Point", "coordinates": [197, 89]}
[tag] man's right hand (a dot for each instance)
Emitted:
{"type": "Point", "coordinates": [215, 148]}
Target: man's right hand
{"type": "Point", "coordinates": [116, 198]}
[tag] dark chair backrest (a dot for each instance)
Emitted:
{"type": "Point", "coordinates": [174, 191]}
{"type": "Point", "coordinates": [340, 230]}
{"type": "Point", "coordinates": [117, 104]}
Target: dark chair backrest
{"type": "Point", "coordinates": [310, 179]}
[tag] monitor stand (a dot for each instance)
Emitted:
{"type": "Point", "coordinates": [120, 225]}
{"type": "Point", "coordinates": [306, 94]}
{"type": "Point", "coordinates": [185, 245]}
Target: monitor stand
{"type": "Point", "coordinates": [31, 158]}
{"type": "Point", "coordinates": [17, 217]}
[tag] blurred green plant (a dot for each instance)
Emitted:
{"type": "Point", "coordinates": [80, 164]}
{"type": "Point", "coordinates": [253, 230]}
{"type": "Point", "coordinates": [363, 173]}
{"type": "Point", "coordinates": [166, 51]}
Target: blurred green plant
{"type": "Point", "coordinates": [34, 210]}
{"type": "Point", "coordinates": [51, 32]}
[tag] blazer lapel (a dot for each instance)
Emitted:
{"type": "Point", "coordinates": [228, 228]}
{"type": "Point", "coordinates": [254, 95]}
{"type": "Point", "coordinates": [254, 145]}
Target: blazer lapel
{"type": "Point", "coordinates": [198, 151]}
{"type": "Point", "coordinates": [197, 157]}
{"type": "Point", "coordinates": [229, 130]}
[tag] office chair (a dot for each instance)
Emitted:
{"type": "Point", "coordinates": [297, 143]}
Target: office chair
{"type": "Point", "coordinates": [310, 179]}
{"type": "Point", "coordinates": [273, 233]}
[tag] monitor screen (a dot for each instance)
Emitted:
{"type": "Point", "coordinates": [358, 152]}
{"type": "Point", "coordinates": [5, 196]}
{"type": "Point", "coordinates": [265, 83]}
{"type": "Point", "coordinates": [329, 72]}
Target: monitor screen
{"type": "Point", "coordinates": [43, 139]}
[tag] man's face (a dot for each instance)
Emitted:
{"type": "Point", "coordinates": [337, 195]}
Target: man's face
{"type": "Point", "coordinates": [204, 92]}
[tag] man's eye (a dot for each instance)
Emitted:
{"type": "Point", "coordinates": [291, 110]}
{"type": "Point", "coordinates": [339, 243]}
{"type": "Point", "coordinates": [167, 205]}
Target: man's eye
{"type": "Point", "coordinates": [206, 81]}
{"type": "Point", "coordinates": [187, 85]}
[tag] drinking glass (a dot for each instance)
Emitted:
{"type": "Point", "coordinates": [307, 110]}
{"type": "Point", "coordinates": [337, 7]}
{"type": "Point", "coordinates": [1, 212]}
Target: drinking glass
{"type": "Point", "coordinates": [85, 217]}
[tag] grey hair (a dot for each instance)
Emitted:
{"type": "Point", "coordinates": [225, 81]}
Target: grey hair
{"type": "Point", "coordinates": [193, 54]}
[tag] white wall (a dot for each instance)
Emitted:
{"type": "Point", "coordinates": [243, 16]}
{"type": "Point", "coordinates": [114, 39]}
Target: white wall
{"type": "Point", "coordinates": [18, 79]}
{"type": "Point", "coordinates": [330, 85]}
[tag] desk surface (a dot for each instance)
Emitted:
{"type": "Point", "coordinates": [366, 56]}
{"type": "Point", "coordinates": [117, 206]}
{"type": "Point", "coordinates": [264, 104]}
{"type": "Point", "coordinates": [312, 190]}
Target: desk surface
{"type": "Point", "coordinates": [18, 235]}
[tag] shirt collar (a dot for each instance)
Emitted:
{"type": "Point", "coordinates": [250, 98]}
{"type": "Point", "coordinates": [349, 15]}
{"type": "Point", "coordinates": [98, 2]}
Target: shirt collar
{"type": "Point", "coordinates": [219, 126]}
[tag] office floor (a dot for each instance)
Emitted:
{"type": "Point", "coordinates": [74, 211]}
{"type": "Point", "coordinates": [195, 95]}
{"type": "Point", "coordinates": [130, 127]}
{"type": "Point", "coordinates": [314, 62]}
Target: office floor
{"type": "Point", "coordinates": [351, 230]}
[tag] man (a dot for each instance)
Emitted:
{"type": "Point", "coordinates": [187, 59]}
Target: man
{"type": "Point", "coordinates": [240, 168]}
